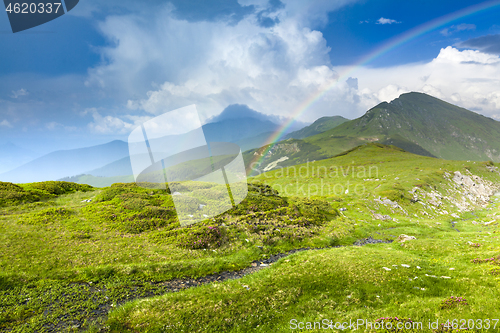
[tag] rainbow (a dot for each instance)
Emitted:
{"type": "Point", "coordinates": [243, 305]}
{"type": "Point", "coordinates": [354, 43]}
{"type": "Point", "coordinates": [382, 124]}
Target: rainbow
{"type": "Point", "coordinates": [383, 49]}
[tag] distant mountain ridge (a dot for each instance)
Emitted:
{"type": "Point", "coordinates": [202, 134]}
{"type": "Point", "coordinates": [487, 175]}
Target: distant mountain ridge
{"type": "Point", "coordinates": [12, 156]}
{"type": "Point", "coordinates": [67, 162]}
{"type": "Point", "coordinates": [112, 159]}
{"type": "Point", "coordinates": [319, 126]}
{"type": "Point", "coordinates": [416, 122]}
{"type": "Point", "coordinates": [440, 128]}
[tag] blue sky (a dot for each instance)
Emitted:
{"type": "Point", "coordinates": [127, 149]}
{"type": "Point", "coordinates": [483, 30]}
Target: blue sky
{"type": "Point", "coordinates": [90, 76]}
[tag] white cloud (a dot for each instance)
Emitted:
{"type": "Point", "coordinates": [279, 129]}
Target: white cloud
{"type": "Point", "coordinates": [109, 125]}
{"type": "Point", "coordinates": [215, 64]}
{"type": "Point", "coordinates": [456, 28]}
{"type": "Point", "coordinates": [386, 21]}
{"type": "Point", "coordinates": [390, 92]}
{"type": "Point", "coordinates": [53, 125]}
{"type": "Point", "coordinates": [5, 123]}
{"type": "Point", "coordinates": [470, 79]}
{"type": "Point", "coordinates": [20, 92]}
{"type": "Point", "coordinates": [158, 63]}
{"type": "Point", "coordinates": [162, 63]}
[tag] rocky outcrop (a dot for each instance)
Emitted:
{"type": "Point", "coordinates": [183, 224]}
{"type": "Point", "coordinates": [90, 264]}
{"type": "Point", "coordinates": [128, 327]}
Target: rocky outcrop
{"type": "Point", "coordinates": [472, 189]}
{"type": "Point", "coordinates": [464, 191]}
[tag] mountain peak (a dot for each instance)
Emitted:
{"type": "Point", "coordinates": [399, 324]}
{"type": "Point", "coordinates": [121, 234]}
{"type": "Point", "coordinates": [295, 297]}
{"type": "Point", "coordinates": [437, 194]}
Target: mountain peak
{"type": "Point", "coordinates": [239, 111]}
{"type": "Point", "coordinates": [426, 125]}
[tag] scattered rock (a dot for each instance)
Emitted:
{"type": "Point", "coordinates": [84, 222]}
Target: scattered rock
{"type": "Point", "coordinates": [177, 193]}
{"type": "Point", "coordinates": [403, 238]}
{"type": "Point", "coordinates": [370, 240]}
{"type": "Point", "coordinates": [382, 217]}
{"type": "Point", "coordinates": [387, 202]}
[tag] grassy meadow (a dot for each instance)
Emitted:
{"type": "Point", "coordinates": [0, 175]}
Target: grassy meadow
{"type": "Point", "coordinates": [79, 259]}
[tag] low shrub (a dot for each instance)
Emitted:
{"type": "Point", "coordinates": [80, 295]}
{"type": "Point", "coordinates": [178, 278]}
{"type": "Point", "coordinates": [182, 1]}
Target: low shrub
{"type": "Point", "coordinates": [46, 216]}
{"type": "Point", "coordinates": [452, 302]}
{"type": "Point", "coordinates": [131, 208]}
{"type": "Point", "coordinates": [202, 237]}
{"type": "Point", "coordinates": [12, 194]}
{"type": "Point", "coordinates": [57, 187]}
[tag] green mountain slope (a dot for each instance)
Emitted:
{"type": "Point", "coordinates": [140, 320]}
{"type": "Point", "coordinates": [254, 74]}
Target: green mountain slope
{"type": "Point", "coordinates": [425, 125]}
{"type": "Point", "coordinates": [319, 126]}
{"type": "Point", "coordinates": [415, 122]}
{"type": "Point", "coordinates": [69, 249]}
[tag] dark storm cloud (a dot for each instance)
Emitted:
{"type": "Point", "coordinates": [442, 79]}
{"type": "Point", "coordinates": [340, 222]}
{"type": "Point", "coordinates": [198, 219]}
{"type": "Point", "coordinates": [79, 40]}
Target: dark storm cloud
{"type": "Point", "coordinates": [488, 44]}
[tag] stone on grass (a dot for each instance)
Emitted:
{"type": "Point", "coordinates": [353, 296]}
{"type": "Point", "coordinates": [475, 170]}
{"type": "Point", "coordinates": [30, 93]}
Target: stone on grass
{"type": "Point", "coordinates": [403, 238]}
{"type": "Point", "coordinates": [381, 217]}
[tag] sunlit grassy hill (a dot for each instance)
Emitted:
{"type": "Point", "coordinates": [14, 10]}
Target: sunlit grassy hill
{"type": "Point", "coordinates": [319, 126]}
{"type": "Point", "coordinates": [70, 253]}
{"type": "Point", "coordinates": [416, 122]}
{"type": "Point", "coordinates": [440, 128]}
{"type": "Point", "coordinates": [380, 191]}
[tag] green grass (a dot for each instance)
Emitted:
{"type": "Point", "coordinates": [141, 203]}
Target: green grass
{"type": "Point", "coordinates": [57, 252]}
{"type": "Point", "coordinates": [65, 262]}
{"type": "Point", "coordinates": [339, 284]}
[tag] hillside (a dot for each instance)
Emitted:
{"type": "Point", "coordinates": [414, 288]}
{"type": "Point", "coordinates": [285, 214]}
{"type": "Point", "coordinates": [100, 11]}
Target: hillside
{"type": "Point", "coordinates": [12, 156]}
{"type": "Point", "coordinates": [415, 122]}
{"type": "Point", "coordinates": [112, 159]}
{"type": "Point", "coordinates": [63, 163]}
{"type": "Point", "coordinates": [319, 126]}
{"type": "Point", "coordinates": [432, 126]}
{"type": "Point", "coordinates": [324, 239]}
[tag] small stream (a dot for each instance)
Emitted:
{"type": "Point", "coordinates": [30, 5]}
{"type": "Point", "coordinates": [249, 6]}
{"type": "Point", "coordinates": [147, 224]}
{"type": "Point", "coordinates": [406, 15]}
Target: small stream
{"type": "Point", "coordinates": [176, 285]}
